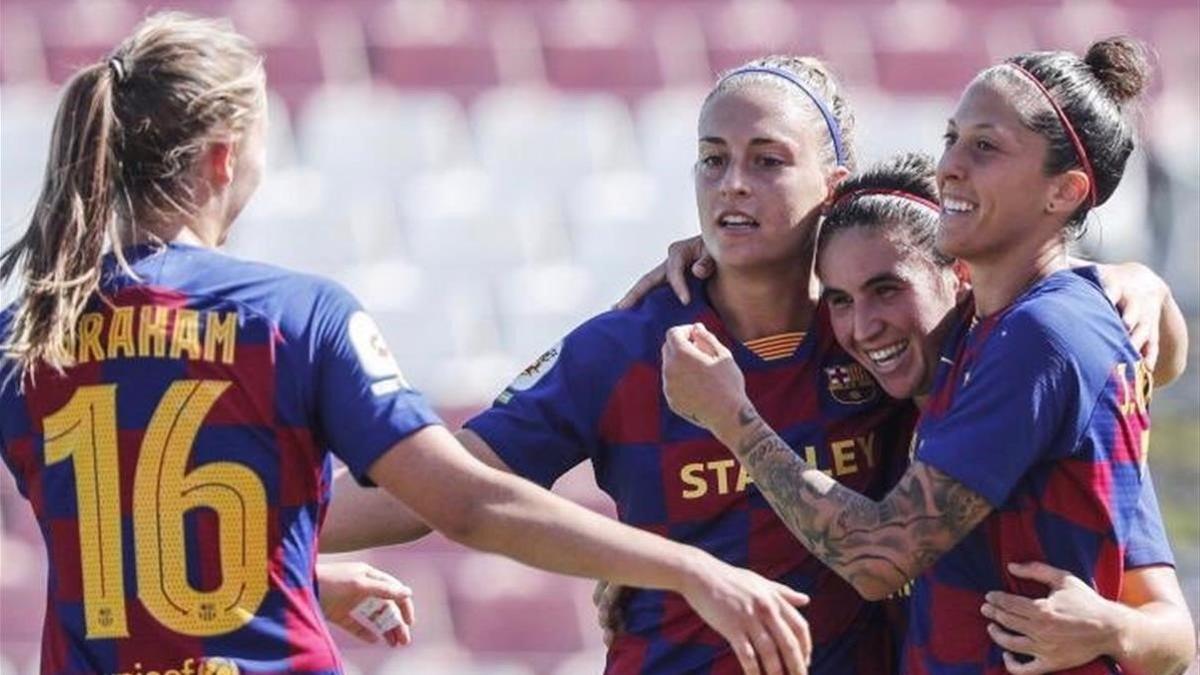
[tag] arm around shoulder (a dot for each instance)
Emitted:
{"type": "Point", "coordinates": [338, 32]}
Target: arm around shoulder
{"type": "Point", "coordinates": [1157, 634]}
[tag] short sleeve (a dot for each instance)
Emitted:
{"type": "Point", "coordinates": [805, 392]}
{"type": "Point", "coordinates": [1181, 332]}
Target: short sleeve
{"type": "Point", "coordinates": [364, 405]}
{"type": "Point", "coordinates": [547, 420]}
{"type": "Point", "coordinates": [15, 469]}
{"type": "Point", "coordinates": [1012, 409]}
{"type": "Point", "coordinates": [1146, 540]}
{"type": "Point", "coordinates": [15, 438]}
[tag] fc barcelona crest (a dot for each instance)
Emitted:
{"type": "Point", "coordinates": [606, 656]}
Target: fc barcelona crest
{"type": "Point", "coordinates": [851, 384]}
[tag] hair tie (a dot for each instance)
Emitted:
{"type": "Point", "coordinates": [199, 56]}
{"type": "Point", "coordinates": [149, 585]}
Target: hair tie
{"type": "Point", "coordinates": [117, 66]}
{"type": "Point", "coordinates": [1066, 123]}
{"type": "Point", "coordinates": [835, 132]}
{"type": "Point", "coordinates": [918, 199]}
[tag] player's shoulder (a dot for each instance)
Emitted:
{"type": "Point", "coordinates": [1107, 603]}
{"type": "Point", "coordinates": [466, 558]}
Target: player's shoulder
{"type": "Point", "coordinates": [1065, 319]}
{"type": "Point", "coordinates": [1062, 310]}
{"type": "Point", "coordinates": [260, 280]}
{"type": "Point", "coordinates": [639, 330]}
{"type": "Point", "coordinates": [291, 298]}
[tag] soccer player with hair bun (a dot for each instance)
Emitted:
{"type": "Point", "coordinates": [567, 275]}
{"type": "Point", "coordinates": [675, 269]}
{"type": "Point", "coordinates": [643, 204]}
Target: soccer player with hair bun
{"type": "Point", "coordinates": [1032, 441]}
{"type": "Point", "coordinates": [887, 285]}
{"type": "Point", "coordinates": [171, 412]}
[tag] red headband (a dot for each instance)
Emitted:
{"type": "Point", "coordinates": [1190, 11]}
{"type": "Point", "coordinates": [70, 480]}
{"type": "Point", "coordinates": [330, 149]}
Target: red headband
{"type": "Point", "coordinates": [1066, 123]}
{"type": "Point", "coordinates": [887, 193]}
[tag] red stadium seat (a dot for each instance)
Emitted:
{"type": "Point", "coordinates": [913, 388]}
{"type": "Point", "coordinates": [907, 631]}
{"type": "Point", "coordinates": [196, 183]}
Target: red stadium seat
{"type": "Point", "coordinates": [304, 47]}
{"type": "Point", "coordinates": [21, 54]}
{"type": "Point", "coordinates": [927, 71]}
{"type": "Point", "coordinates": [432, 45]}
{"type": "Point", "coordinates": [925, 49]}
{"type": "Point", "coordinates": [603, 45]}
{"type": "Point", "coordinates": [739, 32]}
{"type": "Point", "coordinates": [79, 33]}
{"type": "Point", "coordinates": [502, 606]}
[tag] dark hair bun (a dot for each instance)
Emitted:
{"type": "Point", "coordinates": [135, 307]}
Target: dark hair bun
{"type": "Point", "coordinates": [1121, 65]}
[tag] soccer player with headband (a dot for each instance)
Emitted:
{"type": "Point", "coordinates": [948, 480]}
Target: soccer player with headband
{"type": "Point", "coordinates": [1031, 443]}
{"type": "Point", "coordinates": [774, 139]}
{"type": "Point", "coordinates": [171, 412]}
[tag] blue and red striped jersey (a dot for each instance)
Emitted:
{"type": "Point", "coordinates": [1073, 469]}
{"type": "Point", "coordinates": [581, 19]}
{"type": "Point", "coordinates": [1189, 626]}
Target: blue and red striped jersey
{"type": "Point", "coordinates": [1042, 409]}
{"type": "Point", "coordinates": [597, 396]}
{"type": "Point", "coordinates": [179, 470]}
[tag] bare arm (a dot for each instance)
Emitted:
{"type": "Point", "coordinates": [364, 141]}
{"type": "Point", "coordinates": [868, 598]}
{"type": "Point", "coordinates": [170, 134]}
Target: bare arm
{"type": "Point", "coordinates": [876, 546]}
{"type": "Point", "coordinates": [1156, 633]}
{"type": "Point", "coordinates": [364, 517]}
{"type": "Point", "coordinates": [1156, 325]}
{"type": "Point", "coordinates": [1148, 631]}
{"type": "Point", "coordinates": [1172, 343]}
{"type": "Point", "coordinates": [495, 511]}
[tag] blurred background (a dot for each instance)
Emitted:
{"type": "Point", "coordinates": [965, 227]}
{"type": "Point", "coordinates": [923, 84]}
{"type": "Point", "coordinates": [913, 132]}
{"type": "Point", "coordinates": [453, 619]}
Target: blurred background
{"type": "Point", "coordinates": [486, 175]}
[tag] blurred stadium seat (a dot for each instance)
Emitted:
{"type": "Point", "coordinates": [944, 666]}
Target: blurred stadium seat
{"type": "Point", "coordinates": [429, 44]}
{"type": "Point", "coordinates": [600, 45]}
{"type": "Point", "coordinates": [26, 116]}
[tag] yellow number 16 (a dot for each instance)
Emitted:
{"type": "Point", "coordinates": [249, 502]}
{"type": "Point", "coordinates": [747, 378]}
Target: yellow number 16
{"type": "Point", "coordinates": [85, 430]}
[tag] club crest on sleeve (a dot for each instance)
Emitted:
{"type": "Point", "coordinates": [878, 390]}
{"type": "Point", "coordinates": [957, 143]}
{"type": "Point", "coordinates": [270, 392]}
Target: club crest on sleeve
{"type": "Point", "coordinates": [533, 373]}
{"type": "Point", "coordinates": [851, 383]}
{"type": "Point", "coordinates": [374, 356]}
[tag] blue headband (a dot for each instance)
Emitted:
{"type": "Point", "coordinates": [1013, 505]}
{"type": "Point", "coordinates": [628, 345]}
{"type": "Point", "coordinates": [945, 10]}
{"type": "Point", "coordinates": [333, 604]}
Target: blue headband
{"type": "Point", "coordinates": [835, 131]}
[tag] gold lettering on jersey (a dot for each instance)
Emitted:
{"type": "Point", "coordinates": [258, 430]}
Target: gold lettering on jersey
{"type": "Point", "coordinates": [1134, 398]}
{"type": "Point", "coordinates": [868, 448]}
{"type": "Point", "coordinates": [186, 336]}
{"type": "Point", "coordinates": [692, 476]}
{"type": "Point", "coordinates": [120, 333]}
{"type": "Point", "coordinates": [90, 325]}
{"type": "Point", "coordinates": [220, 331]}
{"type": "Point", "coordinates": [191, 666]}
{"type": "Point", "coordinates": [724, 476]}
{"type": "Point", "coordinates": [152, 331]}
{"type": "Point", "coordinates": [843, 457]}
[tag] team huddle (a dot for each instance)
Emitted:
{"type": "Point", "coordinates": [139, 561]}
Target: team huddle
{"type": "Point", "coordinates": [870, 420]}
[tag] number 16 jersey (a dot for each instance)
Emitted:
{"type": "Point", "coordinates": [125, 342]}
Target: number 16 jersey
{"type": "Point", "coordinates": [179, 470]}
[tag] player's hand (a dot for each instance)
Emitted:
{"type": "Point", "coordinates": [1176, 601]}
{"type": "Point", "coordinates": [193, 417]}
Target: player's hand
{"type": "Point", "coordinates": [1140, 296]}
{"type": "Point", "coordinates": [757, 616]}
{"type": "Point", "coordinates": [344, 585]}
{"type": "Point", "coordinates": [701, 380]}
{"type": "Point", "coordinates": [607, 599]}
{"type": "Point", "coordinates": [681, 255]}
{"type": "Point", "coordinates": [1067, 628]}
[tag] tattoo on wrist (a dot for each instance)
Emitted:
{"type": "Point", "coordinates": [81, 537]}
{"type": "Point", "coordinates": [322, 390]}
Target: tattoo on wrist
{"type": "Point", "coordinates": [882, 543]}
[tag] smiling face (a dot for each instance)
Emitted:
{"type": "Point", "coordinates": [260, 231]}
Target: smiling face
{"type": "Point", "coordinates": [991, 177]}
{"type": "Point", "coordinates": [886, 300]}
{"type": "Point", "coordinates": [759, 176]}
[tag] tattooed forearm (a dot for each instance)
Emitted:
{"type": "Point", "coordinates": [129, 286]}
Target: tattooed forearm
{"type": "Point", "coordinates": [877, 546]}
